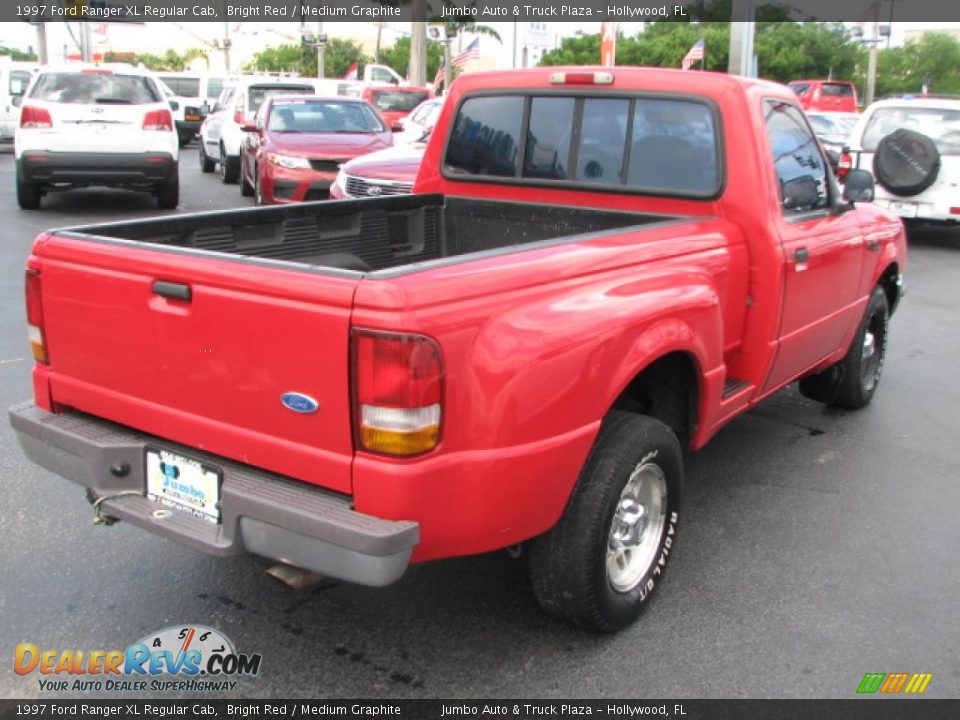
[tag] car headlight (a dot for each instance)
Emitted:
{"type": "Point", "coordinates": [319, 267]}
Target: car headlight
{"type": "Point", "coordinates": [289, 162]}
{"type": "Point", "coordinates": [340, 183]}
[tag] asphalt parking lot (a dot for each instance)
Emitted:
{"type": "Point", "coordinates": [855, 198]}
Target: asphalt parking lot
{"type": "Point", "coordinates": [816, 545]}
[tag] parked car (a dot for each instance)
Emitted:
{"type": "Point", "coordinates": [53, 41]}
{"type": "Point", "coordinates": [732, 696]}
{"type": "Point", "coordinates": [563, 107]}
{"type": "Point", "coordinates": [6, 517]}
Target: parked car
{"type": "Point", "coordinates": [826, 95]}
{"type": "Point", "coordinates": [391, 171]}
{"type": "Point", "coordinates": [420, 121]}
{"type": "Point", "coordinates": [912, 146]}
{"type": "Point", "coordinates": [833, 132]}
{"type": "Point", "coordinates": [394, 103]}
{"type": "Point", "coordinates": [15, 77]}
{"type": "Point", "coordinates": [193, 96]}
{"type": "Point", "coordinates": [108, 125]}
{"type": "Point", "coordinates": [221, 134]}
{"type": "Point", "coordinates": [296, 143]}
{"type": "Point", "coordinates": [518, 352]}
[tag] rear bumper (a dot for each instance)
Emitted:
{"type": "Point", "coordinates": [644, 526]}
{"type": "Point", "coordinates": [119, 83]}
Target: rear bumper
{"type": "Point", "coordinates": [112, 169]}
{"type": "Point", "coordinates": [262, 513]}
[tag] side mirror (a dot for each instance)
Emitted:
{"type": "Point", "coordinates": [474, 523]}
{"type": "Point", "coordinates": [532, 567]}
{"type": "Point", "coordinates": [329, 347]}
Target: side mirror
{"type": "Point", "coordinates": [801, 192]}
{"type": "Point", "coordinates": [858, 186]}
{"type": "Point", "coordinates": [17, 100]}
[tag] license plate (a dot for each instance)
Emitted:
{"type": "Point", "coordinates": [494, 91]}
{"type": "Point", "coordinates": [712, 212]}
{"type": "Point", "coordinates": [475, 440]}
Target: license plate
{"type": "Point", "coordinates": [184, 483]}
{"type": "Point", "coordinates": [903, 209]}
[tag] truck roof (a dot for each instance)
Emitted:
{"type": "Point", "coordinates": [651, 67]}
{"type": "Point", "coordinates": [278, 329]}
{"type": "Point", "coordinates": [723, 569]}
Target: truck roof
{"type": "Point", "coordinates": [624, 78]}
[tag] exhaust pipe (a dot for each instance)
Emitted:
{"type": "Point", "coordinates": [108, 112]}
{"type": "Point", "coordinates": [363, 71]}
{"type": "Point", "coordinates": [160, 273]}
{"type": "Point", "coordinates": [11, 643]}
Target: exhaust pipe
{"type": "Point", "coordinates": [295, 578]}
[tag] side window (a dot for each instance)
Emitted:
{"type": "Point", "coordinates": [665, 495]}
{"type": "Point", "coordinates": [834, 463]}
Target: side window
{"type": "Point", "coordinates": [381, 75]}
{"type": "Point", "coordinates": [673, 147]}
{"type": "Point", "coordinates": [603, 134]}
{"type": "Point", "coordinates": [797, 158]}
{"type": "Point", "coordinates": [214, 86]}
{"type": "Point", "coordinates": [261, 119]}
{"type": "Point", "coordinates": [548, 138]}
{"type": "Point", "coordinates": [19, 79]}
{"type": "Point", "coordinates": [485, 139]}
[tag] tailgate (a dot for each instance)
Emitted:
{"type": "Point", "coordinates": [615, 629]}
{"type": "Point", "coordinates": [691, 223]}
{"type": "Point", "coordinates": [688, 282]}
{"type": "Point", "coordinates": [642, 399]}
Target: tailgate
{"type": "Point", "coordinates": [208, 372]}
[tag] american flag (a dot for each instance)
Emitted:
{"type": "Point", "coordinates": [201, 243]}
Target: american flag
{"type": "Point", "coordinates": [440, 77]}
{"type": "Point", "coordinates": [472, 52]}
{"type": "Point", "coordinates": [694, 55]}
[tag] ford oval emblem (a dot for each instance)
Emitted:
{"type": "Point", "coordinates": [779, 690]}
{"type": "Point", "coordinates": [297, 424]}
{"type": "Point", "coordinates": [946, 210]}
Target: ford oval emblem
{"type": "Point", "coordinates": [300, 403]}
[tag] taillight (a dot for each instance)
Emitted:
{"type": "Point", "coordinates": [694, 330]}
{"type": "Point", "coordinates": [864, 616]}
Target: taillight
{"type": "Point", "coordinates": [32, 117]}
{"type": "Point", "coordinates": [844, 165]}
{"type": "Point", "coordinates": [35, 316]}
{"type": "Point", "coordinates": [397, 393]}
{"type": "Point", "coordinates": [158, 120]}
{"type": "Point", "coordinates": [238, 118]}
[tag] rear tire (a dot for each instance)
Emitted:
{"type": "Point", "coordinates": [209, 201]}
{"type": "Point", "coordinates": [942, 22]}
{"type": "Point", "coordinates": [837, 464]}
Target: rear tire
{"type": "Point", "coordinates": [28, 195]}
{"type": "Point", "coordinates": [229, 168]}
{"type": "Point", "coordinates": [598, 566]}
{"type": "Point", "coordinates": [206, 164]}
{"type": "Point", "coordinates": [168, 194]}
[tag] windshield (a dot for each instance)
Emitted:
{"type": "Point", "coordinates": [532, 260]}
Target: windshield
{"type": "Point", "coordinates": [323, 117]}
{"type": "Point", "coordinates": [397, 100]}
{"type": "Point", "coordinates": [184, 87]}
{"type": "Point", "coordinates": [939, 124]}
{"type": "Point", "coordinates": [259, 92]}
{"type": "Point", "coordinates": [89, 88]}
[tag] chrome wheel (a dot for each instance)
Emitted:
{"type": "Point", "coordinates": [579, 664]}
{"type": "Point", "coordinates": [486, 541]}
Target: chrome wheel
{"type": "Point", "coordinates": [637, 527]}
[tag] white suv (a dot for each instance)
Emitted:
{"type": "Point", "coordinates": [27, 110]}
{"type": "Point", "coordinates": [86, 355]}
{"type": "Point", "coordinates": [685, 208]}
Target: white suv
{"type": "Point", "coordinates": [912, 146]}
{"type": "Point", "coordinates": [108, 125]}
{"type": "Point", "coordinates": [221, 135]}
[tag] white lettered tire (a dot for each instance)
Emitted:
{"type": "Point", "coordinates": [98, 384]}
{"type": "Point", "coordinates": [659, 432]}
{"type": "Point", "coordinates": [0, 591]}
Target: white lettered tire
{"type": "Point", "coordinates": [600, 564]}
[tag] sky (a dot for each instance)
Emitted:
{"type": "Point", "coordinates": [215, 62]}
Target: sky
{"type": "Point", "coordinates": [249, 37]}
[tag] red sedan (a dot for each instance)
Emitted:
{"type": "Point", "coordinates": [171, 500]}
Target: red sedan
{"type": "Point", "coordinates": [292, 151]}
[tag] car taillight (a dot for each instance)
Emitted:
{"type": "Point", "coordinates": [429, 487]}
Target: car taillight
{"type": "Point", "coordinates": [35, 117]}
{"type": "Point", "coordinates": [397, 393]}
{"type": "Point", "coordinates": [238, 118]}
{"type": "Point", "coordinates": [158, 120]}
{"type": "Point", "coordinates": [844, 165]}
{"type": "Point", "coordinates": [35, 316]}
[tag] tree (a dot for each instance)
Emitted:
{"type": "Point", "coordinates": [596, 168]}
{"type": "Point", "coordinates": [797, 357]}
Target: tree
{"type": "Point", "coordinates": [933, 59]}
{"type": "Point", "coordinates": [338, 56]}
{"type": "Point", "coordinates": [397, 56]}
{"type": "Point", "coordinates": [170, 60]}
{"type": "Point", "coordinates": [17, 54]}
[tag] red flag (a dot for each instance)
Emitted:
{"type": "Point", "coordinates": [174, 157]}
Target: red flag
{"type": "Point", "coordinates": [352, 73]}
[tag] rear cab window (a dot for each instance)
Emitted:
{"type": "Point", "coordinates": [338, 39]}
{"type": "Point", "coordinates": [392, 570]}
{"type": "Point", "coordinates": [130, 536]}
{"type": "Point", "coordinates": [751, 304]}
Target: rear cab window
{"type": "Point", "coordinates": [258, 93]}
{"type": "Point", "coordinates": [95, 88]}
{"type": "Point", "coordinates": [184, 87]}
{"type": "Point", "coordinates": [654, 145]}
{"type": "Point", "coordinates": [397, 100]}
{"type": "Point", "coordinates": [836, 89]}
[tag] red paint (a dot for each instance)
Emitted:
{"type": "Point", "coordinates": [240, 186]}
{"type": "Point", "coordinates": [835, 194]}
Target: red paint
{"type": "Point", "coordinates": [397, 102]}
{"type": "Point", "coordinates": [826, 95]}
{"type": "Point", "coordinates": [535, 346]}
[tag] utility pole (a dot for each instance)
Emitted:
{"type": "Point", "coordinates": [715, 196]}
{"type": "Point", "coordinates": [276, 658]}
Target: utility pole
{"type": "Point", "coordinates": [42, 42]}
{"type": "Point", "coordinates": [418, 44]}
{"type": "Point", "coordinates": [741, 39]}
{"type": "Point", "coordinates": [226, 46]}
{"type": "Point", "coordinates": [321, 50]}
{"type": "Point", "coordinates": [872, 60]}
{"type": "Point", "coordinates": [86, 50]}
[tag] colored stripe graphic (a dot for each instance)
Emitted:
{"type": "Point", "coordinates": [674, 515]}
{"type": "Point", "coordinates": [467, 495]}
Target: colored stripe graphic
{"type": "Point", "coordinates": [871, 682]}
{"type": "Point", "coordinates": [890, 684]}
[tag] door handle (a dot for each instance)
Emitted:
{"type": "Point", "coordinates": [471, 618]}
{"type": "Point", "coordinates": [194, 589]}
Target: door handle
{"type": "Point", "coordinates": [801, 255]}
{"type": "Point", "coordinates": [174, 291]}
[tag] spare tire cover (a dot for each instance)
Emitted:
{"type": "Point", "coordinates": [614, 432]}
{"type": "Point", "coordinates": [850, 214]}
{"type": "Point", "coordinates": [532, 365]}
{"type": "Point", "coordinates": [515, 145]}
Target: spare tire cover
{"type": "Point", "coordinates": [906, 162]}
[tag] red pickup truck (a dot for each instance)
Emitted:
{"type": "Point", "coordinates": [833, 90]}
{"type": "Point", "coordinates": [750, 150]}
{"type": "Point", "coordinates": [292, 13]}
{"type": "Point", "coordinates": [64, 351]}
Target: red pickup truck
{"type": "Point", "coordinates": [598, 269]}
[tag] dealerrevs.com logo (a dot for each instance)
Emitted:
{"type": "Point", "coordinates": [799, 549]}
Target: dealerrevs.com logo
{"type": "Point", "coordinates": [180, 658]}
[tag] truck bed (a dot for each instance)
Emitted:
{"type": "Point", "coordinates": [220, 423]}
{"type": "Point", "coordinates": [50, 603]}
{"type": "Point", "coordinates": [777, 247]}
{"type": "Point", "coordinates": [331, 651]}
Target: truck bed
{"type": "Point", "coordinates": [368, 235]}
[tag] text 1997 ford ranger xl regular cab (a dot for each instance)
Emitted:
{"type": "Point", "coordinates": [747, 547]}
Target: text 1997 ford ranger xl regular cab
{"type": "Point", "coordinates": [598, 268]}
